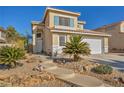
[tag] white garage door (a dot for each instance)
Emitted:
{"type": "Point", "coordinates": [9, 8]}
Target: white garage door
{"type": "Point", "coordinates": [95, 45]}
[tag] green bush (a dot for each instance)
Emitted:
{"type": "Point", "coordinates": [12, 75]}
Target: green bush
{"type": "Point", "coordinates": [10, 55]}
{"type": "Point", "coordinates": [103, 69]}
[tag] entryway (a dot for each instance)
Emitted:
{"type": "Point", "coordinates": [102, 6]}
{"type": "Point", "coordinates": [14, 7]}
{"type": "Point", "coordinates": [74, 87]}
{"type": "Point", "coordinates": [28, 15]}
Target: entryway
{"type": "Point", "coordinates": [39, 45]}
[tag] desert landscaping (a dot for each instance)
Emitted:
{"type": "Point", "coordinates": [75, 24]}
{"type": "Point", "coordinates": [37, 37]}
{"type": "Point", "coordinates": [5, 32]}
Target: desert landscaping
{"type": "Point", "coordinates": [28, 74]}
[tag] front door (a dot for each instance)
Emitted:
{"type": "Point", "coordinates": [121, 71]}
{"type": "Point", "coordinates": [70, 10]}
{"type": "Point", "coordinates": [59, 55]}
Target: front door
{"type": "Point", "coordinates": [39, 46]}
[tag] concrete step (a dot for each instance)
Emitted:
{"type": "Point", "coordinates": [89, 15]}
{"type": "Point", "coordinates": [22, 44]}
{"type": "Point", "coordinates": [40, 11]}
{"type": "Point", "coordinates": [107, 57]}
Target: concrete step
{"type": "Point", "coordinates": [49, 66]}
{"type": "Point", "coordinates": [85, 81]}
{"type": "Point", "coordinates": [62, 73]}
{"type": "Point", "coordinates": [69, 76]}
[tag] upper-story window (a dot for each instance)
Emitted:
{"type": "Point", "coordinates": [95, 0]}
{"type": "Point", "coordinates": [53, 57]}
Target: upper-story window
{"type": "Point", "coordinates": [63, 21]}
{"type": "Point", "coordinates": [80, 26]}
{"type": "Point", "coordinates": [111, 28]}
{"type": "Point", "coordinates": [122, 28]}
{"type": "Point", "coordinates": [38, 35]}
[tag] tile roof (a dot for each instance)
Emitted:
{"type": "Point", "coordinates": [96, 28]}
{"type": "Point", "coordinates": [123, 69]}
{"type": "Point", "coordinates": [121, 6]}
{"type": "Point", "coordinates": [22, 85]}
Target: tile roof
{"type": "Point", "coordinates": [108, 25]}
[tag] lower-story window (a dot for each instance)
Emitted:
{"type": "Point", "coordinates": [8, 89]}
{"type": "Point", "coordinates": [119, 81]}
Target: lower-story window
{"type": "Point", "coordinates": [62, 40]}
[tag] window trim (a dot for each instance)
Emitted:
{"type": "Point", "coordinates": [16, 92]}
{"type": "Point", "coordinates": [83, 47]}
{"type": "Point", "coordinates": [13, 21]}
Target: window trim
{"type": "Point", "coordinates": [59, 40]}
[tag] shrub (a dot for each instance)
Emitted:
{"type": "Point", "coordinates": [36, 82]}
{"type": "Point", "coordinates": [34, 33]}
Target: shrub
{"type": "Point", "coordinates": [9, 55]}
{"type": "Point", "coordinates": [103, 69]}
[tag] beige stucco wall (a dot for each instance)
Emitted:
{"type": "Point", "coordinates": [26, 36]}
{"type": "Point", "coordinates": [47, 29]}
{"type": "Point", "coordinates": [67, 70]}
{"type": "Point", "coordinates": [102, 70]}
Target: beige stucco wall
{"type": "Point", "coordinates": [55, 39]}
{"type": "Point", "coordinates": [47, 42]}
{"type": "Point", "coordinates": [51, 20]}
{"type": "Point", "coordinates": [106, 41]}
{"type": "Point", "coordinates": [122, 27]}
{"type": "Point", "coordinates": [47, 20]}
{"type": "Point", "coordinates": [105, 44]}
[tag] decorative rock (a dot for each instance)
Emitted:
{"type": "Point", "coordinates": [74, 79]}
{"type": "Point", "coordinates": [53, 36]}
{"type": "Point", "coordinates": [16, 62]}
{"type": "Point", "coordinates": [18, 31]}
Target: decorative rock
{"type": "Point", "coordinates": [15, 80]}
{"type": "Point", "coordinates": [39, 68]}
{"type": "Point", "coordinates": [4, 84]}
{"type": "Point", "coordinates": [115, 79]}
{"type": "Point", "coordinates": [121, 79]}
{"type": "Point", "coordinates": [86, 68]}
{"type": "Point", "coordinates": [34, 82]}
{"type": "Point", "coordinates": [2, 77]}
{"type": "Point", "coordinates": [81, 69]}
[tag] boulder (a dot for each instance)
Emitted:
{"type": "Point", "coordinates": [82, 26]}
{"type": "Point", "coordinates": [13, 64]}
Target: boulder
{"type": "Point", "coordinates": [14, 80]}
{"type": "Point", "coordinates": [39, 68]}
{"type": "Point", "coordinates": [86, 68]}
{"type": "Point", "coordinates": [34, 81]}
{"type": "Point", "coordinates": [81, 69]}
{"type": "Point", "coordinates": [5, 84]}
{"type": "Point", "coordinates": [3, 77]}
{"type": "Point", "coordinates": [121, 79]}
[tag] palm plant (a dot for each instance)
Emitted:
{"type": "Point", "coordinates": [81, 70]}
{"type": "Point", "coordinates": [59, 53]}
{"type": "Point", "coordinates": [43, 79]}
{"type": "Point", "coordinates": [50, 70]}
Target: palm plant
{"type": "Point", "coordinates": [76, 47]}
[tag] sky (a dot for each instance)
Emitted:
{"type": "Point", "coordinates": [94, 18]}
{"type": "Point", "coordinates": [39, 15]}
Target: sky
{"type": "Point", "coordinates": [95, 16]}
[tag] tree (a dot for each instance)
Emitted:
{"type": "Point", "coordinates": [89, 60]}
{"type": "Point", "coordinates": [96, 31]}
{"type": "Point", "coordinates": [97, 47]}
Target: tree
{"type": "Point", "coordinates": [1, 28]}
{"type": "Point", "coordinates": [27, 41]}
{"type": "Point", "coordinates": [13, 37]}
{"type": "Point", "coordinates": [11, 34]}
{"type": "Point", "coordinates": [76, 47]}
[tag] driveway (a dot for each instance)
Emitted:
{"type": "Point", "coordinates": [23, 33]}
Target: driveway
{"type": "Point", "coordinates": [114, 59]}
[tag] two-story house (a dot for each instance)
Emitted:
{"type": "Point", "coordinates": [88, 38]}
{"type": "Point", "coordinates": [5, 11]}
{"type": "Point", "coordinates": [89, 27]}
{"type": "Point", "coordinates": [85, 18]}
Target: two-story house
{"type": "Point", "coordinates": [116, 30]}
{"type": "Point", "coordinates": [53, 32]}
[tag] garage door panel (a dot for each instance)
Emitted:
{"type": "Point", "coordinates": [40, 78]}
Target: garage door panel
{"type": "Point", "coordinates": [95, 45]}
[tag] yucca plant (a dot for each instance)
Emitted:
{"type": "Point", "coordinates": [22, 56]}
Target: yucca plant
{"type": "Point", "coordinates": [9, 55]}
{"type": "Point", "coordinates": [76, 47]}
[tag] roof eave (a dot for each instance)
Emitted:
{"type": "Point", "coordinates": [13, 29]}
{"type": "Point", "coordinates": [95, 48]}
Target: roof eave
{"type": "Point", "coordinates": [104, 35]}
{"type": "Point", "coordinates": [58, 10]}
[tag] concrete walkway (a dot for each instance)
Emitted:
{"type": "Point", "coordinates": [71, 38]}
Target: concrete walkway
{"type": "Point", "coordinates": [69, 76]}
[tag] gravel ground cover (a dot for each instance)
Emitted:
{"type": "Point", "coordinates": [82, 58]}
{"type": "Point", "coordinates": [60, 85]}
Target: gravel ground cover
{"type": "Point", "coordinates": [85, 67]}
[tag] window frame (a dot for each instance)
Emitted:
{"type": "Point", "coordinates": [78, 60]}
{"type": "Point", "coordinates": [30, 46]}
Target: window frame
{"type": "Point", "coordinates": [63, 21]}
{"type": "Point", "coordinates": [37, 35]}
{"type": "Point", "coordinates": [62, 41]}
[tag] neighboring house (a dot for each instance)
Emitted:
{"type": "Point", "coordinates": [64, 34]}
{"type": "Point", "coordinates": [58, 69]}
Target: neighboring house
{"type": "Point", "coordinates": [53, 32]}
{"type": "Point", "coordinates": [116, 30]}
{"type": "Point", "coordinates": [2, 37]}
